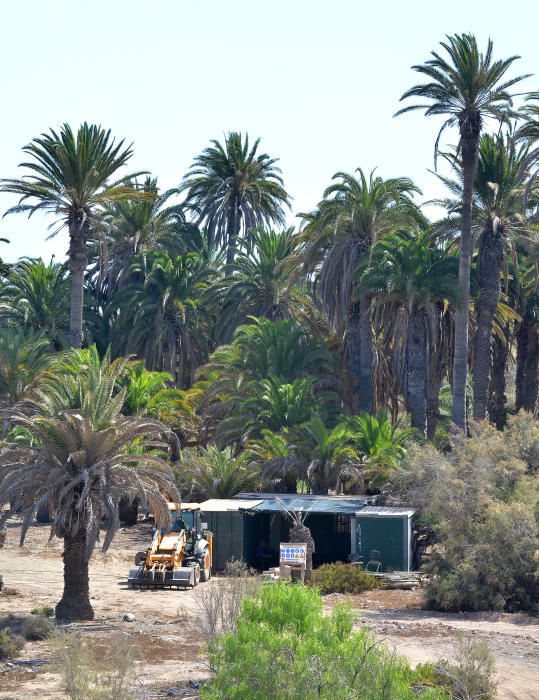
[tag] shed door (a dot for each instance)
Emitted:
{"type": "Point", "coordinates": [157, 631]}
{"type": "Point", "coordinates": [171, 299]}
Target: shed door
{"type": "Point", "coordinates": [385, 535]}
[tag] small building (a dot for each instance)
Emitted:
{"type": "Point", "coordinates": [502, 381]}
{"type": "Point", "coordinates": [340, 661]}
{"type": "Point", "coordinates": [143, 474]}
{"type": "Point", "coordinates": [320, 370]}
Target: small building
{"type": "Point", "coordinates": [386, 530]}
{"type": "Point", "coordinates": [241, 523]}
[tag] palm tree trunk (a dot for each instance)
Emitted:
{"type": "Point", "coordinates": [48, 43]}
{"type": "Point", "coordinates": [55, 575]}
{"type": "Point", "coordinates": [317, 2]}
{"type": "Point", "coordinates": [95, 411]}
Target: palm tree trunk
{"type": "Point", "coordinates": [527, 373]}
{"type": "Point", "coordinates": [78, 261]}
{"type": "Point", "coordinates": [497, 410]}
{"type": "Point", "coordinates": [77, 267]}
{"type": "Point", "coordinates": [469, 145]}
{"type": "Point", "coordinates": [489, 265]}
{"type": "Point", "coordinates": [233, 233]}
{"type": "Point", "coordinates": [366, 356]}
{"type": "Point", "coordinates": [75, 603]}
{"type": "Point", "coordinates": [417, 369]}
{"type": "Point", "coordinates": [353, 349]}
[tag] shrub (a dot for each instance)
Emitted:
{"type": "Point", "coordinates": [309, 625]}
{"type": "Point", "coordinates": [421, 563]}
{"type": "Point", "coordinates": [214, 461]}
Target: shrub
{"type": "Point", "coordinates": [342, 578]}
{"type": "Point", "coordinates": [479, 503]}
{"type": "Point", "coordinates": [91, 676]}
{"type": "Point", "coordinates": [45, 610]}
{"type": "Point", "coordinates": [220, 599]}
{"type": "Point", "coordinates": [284, 647]}
{"type": "Point", "coordinates": [36, 627]}
{"type": "Point", "coordinates": [470, 673]}
{"type": "Point", "coordinates": [10, 644]}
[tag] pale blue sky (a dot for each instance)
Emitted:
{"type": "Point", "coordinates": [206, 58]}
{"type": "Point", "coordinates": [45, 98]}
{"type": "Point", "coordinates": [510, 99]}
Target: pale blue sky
{"type": "Point", "coordinates": [318, 81]}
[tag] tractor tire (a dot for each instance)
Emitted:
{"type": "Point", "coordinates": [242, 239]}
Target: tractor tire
{"type": "Point", "coordinates": [43, 515]}
{"type": "Point", "coordinates": [128, 511]}
{"type": "Point", "coordinates": [140, 558]}
{"type": "Point", "coordinates": [197, 575]}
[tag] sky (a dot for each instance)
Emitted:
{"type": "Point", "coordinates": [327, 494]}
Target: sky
{"type": "Point", "coordinates": [317, 81]}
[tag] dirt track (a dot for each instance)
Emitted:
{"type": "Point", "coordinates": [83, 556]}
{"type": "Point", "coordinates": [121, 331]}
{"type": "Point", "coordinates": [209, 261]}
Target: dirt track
{"type": "Point", "coordinates": [166, 631]}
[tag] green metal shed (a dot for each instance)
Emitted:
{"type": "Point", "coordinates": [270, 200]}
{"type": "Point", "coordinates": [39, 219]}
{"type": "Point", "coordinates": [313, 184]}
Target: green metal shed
{"type": "Point", "coordinates": [388, 531]}
{"type": "Point", "coordinates": [226, 518]}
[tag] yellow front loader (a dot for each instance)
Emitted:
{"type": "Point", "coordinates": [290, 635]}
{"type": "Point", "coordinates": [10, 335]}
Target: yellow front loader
{"type": "Point", "coordinates": [180, 557]}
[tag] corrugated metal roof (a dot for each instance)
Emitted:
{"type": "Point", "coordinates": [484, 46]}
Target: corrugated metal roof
{"type": "Point", "coordinates": [330, 506]}
{"type": "Point", "coordinates": [220, 505]}
{"type": "Point", "coordinates": [385, 511]}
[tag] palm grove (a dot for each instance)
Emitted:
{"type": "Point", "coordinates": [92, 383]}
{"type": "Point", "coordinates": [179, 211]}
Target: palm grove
{"type": "Point", "coordinates": [193, 343]}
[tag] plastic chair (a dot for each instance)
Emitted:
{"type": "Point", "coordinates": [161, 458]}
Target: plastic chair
{"type": "Point", "coordinates": [375, 560]}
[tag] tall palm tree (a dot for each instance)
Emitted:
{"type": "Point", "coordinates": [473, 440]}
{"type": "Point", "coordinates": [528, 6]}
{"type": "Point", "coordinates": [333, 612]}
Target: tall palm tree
{"type": "Point", "coordinates": [35, 296]}
{"type": "Point", "coordinates": [232, 189]}
{"type": "Point", "coordinates": [356, 211]}
{"type": "Point", "coordinates": [69, 176]}
{"type": "Point", "coordinates": [466, 87]}
{"type": "Point", "coordinates": [81, 465]}
{"type": "Point", "coordinates": [263, 284]}
{"type": "Point", "coordinates": [410, 274]}
{"type": "Point", "coordinates": [500, 219]}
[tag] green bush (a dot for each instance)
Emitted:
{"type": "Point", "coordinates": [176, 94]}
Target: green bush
{"type": "Point", "coordinates": [470, 673]}
{"type": "Point", "coordinates": [10, 645]}
{"type": "Point", "coordinates": [44, 610]}
{"type": "Point", "coordinates": [36, 627]}
{"type": "Point", "coordinates": [284, 647]}
{"type": "Point", "coordinates": [479, 503]}
{"type": "Point", "coordinates": [342, 578]}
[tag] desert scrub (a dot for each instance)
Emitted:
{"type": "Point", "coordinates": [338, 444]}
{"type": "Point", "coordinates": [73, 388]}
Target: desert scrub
{"type": "Point", "coordinates": [36, 627]}
{"type": "Point", "coordinates": [342, 578]}
{"type": "Point", "coordinates": [284, 647]}
{"type": "Point", "coordinates": [10, 645]}
{"type": "Point", "coordinates": [91, 674]}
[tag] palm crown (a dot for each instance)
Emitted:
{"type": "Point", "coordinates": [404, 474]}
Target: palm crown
{"type": "Point", "coordinates": [233, 189]}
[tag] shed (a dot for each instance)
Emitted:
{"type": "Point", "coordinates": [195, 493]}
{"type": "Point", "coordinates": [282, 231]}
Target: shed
{"type": "Point", "coordinates": [331, 521]}
{"type": "Point", "coordinates": [226, 518]}
{"type": "Point", "coordinates": [387, 530]}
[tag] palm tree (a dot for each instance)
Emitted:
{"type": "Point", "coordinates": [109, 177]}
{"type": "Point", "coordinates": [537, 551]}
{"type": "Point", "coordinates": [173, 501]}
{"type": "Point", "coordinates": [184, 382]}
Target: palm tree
{"type": "Point", "coordinates": [82, 466]}
{"type": "Point", "coordinates": [410, 274]}
{"type": "Point", "coordinates": [380, 443]}
{"type": "Point", "coordinates": [136, 225]}
{"type": "Point", "coordinates": [23, 356]}
{"type": "Point", "coordinates": [263, 284]}
{"type": "Point", "coordinates": [529, 129]}
{"type": "Point", "coordinates": [214, 473]}
{"type": "Point", "coordinates": [69, 176]}
{"type": "Point", "coordinates": [329, 454]}
{"type": "Point", "coordinates": [466, 88]}
{"type": "Point", "coordinates": [160, 313]}
{"type": "Point", "coordinates": [527, 337]}
{"type": "Point", "coordinates": [233, 189]}
{"type": "Point", "coordinates": [281, 349]}
{"type": "Point", "coordinates": [500, 219]}
{"type": "Point", "coordinates": [35, 296]}
{"type": "Point", "coordinates": [338, 236]}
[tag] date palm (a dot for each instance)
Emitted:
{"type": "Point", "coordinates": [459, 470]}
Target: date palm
{"type": "Point", "coordinates": [357, 210]}
{"type": "Point", "coordinates": [81, 465]}
{"type": "Point", "coordinates": [466, 87]}
{"type": "Point", "coordinates": [69, 175]}
{"type": "Point", "coordinates": [160, 313]}
{"type": "Point", "coordinates": [410, 275]}
{"type": "Point", "coordinates": [132, 226]}
{"type": "Point", "coordinates": [23, 356]}
{"type": "Point", "coordinates": [35, 296]}
{"type": "Point", "coordinates": [501, 218]}
{"type": "Point", "coordinates": [213, 473]}
{"type": "Point", "coordinates": [262, 283]}
{"type": "Point", "coordinates": [232, 189]}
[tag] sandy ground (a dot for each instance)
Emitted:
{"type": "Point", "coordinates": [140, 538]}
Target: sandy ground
{"type": "Point", "coordinates": [166, 633]}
